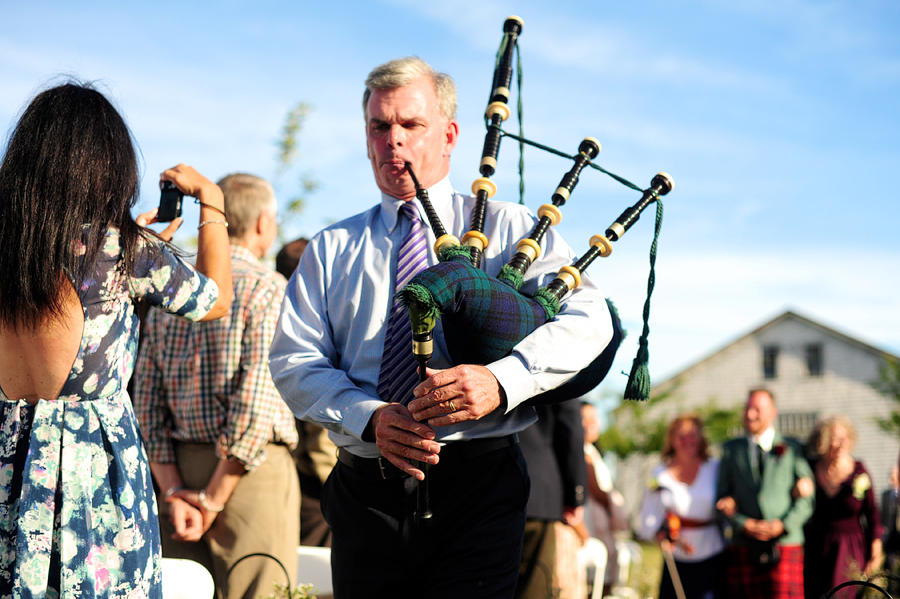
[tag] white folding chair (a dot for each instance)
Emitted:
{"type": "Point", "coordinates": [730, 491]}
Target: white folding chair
{"type": "Point", "coordinates": [631, 557]}
{"type": "Point", "coordinates": [186, 579]}
{"type": "Point", "coordinates": [314, 567]}
{"type": "Point", "coordinates": [593, 555]}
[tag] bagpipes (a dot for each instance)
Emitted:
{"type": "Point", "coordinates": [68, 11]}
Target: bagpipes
{"type": "Point", "coordinates": [485, 317]}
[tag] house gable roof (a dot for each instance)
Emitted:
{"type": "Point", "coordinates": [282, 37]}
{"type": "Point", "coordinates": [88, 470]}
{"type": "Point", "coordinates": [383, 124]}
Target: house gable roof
{"type": "Point", "coordinates": [787, 315]}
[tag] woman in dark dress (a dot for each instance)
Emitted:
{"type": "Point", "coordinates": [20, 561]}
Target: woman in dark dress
{"type": "Point", "coordinates": [843, 537]}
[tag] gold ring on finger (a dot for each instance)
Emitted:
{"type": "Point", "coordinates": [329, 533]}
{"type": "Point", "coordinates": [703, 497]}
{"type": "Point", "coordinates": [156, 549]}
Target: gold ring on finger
{"type": "Point", "coordinates": [452, 407]}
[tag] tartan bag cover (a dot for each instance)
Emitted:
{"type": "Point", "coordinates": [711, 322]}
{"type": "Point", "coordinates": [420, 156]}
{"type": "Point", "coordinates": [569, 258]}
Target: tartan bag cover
{"type": "Point", "coordinates": [483, 317]}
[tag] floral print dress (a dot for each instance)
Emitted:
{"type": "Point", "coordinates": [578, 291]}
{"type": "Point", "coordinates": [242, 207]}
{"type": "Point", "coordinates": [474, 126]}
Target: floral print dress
{"type": "Point", "coordinates": [78, 517]}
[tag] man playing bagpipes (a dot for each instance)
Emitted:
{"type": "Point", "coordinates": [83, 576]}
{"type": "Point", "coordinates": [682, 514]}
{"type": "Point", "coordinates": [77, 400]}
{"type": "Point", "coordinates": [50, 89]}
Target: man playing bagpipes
{"type": "Point", "coordinates": [334, 361]}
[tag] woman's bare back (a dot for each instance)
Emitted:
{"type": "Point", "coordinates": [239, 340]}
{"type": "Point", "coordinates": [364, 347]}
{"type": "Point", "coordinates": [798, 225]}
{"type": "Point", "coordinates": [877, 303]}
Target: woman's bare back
{"type": "Point", "coordinates": [35, 364]}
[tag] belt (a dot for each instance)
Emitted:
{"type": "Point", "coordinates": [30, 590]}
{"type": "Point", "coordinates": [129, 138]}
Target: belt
{"type": "Point", "coordinates": [452, 453]}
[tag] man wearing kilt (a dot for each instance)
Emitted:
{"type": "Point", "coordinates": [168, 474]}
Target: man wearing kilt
{"type": "Point", "coordinates": [759, 478]}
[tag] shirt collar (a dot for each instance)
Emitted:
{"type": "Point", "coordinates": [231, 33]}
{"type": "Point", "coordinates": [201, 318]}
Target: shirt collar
{"type": "Point", "coordinates": [239, 252]}
{"type": "Point", "coordinates": [439, 194]}
{"type": "Point", "coordinates": [765, 440]}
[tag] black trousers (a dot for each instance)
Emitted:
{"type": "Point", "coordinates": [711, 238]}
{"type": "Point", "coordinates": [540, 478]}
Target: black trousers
{"type": "Point", "coordinates": [471, 548]}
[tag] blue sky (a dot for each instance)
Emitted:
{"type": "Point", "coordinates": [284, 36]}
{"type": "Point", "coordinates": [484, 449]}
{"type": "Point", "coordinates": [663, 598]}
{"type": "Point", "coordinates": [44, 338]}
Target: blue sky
{"type": "Point", "coordinates": [777, 120]}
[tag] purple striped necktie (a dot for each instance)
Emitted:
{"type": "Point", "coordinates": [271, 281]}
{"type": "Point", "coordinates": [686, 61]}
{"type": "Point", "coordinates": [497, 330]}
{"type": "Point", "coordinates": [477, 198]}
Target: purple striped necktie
{"type": "Point", "coordinates": [399, 369]}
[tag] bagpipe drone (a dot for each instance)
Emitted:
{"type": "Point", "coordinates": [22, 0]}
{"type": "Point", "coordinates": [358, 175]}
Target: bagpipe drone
{"type": "Point", "coordinates": [484, 317]}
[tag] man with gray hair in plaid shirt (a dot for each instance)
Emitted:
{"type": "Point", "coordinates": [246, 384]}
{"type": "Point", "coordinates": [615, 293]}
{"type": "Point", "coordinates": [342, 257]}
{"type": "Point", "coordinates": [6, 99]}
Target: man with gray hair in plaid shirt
{"type": "Point", "coordinates": [218, 434]}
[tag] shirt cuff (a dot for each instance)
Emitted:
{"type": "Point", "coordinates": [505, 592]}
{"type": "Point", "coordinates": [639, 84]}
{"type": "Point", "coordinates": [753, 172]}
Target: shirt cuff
{"type": "Point", "coordinates": [251, 458]}
{"type": "Point", "coordinates": [358, 416]}
{"type": "Point", "coordinates": [515, 378]}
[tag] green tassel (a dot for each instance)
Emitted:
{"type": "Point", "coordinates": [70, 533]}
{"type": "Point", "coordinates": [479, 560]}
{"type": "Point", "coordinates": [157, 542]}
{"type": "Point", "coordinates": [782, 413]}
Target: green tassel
{"type": "Point", "coordinates": [638, 387]}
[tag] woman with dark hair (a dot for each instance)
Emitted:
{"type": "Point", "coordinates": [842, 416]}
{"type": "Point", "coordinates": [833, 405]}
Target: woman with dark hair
{"type": "Point", "coordinates": [77, 512]}
{"type": "Point", "coordinates": [682, 493]}
{"type": "Point", "coordinates": [843, 537]}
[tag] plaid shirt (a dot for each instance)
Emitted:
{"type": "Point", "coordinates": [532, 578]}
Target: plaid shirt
{"type": "Point", "coordinates": [209, 382]}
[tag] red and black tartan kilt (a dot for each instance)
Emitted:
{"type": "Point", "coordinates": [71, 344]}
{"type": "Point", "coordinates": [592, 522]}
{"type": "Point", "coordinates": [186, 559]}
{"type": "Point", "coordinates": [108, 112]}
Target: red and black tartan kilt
{"type": "Point", "coordinates": [746, 580]}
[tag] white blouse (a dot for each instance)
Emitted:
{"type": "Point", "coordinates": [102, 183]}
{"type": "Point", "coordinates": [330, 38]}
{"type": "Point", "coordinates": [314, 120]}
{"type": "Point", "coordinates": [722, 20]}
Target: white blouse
{"type": "Point", "coordinates": [696, 501]}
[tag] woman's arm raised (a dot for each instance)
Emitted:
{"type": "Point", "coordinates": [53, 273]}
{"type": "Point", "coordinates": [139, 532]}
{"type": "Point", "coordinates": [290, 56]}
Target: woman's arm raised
{"type": "Point", "coordinates": [213, 249]}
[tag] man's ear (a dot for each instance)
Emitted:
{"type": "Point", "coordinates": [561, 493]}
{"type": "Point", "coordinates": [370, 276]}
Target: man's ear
{"type": "Point", "coordinates": [265, 220]}
{"type": "Point", "coordinates": [451, 133]}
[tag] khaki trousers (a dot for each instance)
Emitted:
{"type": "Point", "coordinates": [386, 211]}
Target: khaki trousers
{"type": "Point", "coordinates": [550, 562]}
{"type": "Point", "coordinates": [262, 516]}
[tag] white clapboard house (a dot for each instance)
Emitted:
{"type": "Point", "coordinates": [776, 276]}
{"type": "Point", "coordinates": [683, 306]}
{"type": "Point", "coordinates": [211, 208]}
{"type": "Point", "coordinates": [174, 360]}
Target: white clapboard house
{"type": "Point", "coordinates": [814, 372]}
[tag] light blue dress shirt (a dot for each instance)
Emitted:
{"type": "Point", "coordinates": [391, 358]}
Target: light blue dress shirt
{"type": "Point", "coordinates": [326, 355]}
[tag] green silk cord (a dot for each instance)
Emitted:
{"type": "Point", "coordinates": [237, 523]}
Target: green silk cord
{"type": "Point", "coordinates": [638, 386]}
{"type": "Point", "coordinates": [521, 127]}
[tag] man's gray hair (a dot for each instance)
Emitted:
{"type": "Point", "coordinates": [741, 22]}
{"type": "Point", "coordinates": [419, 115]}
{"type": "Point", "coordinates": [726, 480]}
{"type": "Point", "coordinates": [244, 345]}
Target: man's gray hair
{"type": "Point", "coordinates": [403, 71]}
{"type": "Point", "coordinates": [246, 198]}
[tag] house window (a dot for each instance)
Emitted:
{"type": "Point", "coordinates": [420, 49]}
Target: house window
{"type": "Point", "coordinates": [796, 424]}
{"type": "Point", "coordinates": [770, 362]}
{"type": "Point", "coordinates": [814, 359]}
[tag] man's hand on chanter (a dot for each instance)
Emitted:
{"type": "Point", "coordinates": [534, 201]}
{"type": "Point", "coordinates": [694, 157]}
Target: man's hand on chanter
{"type": "Point", "coordinates": [400, 438]}
{"type": "Point", "coordinates": [458, 394]}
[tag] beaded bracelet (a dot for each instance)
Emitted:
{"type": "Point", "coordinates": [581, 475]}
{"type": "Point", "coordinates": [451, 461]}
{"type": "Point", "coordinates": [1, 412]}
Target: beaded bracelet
{"type": "Point", "coordinates": [212, 222]}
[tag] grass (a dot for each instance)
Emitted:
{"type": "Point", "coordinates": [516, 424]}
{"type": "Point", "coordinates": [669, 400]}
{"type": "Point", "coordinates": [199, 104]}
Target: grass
{"type": "Point", "coordinates": [646, 580]}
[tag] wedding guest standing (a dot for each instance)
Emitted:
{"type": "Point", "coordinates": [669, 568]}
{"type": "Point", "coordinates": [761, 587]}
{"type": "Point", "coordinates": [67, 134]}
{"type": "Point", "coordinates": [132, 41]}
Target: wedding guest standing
{"type": "Point", "coordinates": [77, 512]}
{"type": "Point", "coordinates": [604, 510]}
{"type": "Point", "coordinates": [758, 476]}
{"type": "Point", "coordinates": [684, 485]}
{"type": "Point", "coordinates": [218, 434]}
{"type": "Point", "coordinates": [843, 537]}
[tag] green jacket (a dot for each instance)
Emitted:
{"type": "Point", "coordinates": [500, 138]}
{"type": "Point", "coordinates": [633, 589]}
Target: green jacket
{"type": "Point", "coordinates": [770, 498]}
